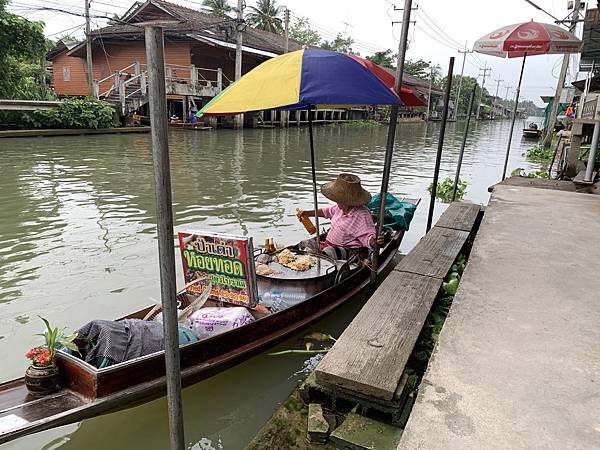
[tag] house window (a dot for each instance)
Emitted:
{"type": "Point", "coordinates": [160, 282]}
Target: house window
{"type": "Point", "coordinates": [66, 73]}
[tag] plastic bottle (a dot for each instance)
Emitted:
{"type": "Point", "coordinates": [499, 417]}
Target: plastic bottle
{"type": "Point", "coordinates": [289, 298]}
{"type": "Point", "coordinates": [306, 222]}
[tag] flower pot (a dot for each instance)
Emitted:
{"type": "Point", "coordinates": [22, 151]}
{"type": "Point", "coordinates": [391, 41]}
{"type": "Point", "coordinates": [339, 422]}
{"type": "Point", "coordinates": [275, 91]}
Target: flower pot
{"type": "Point", "coordinates": [42, 380]}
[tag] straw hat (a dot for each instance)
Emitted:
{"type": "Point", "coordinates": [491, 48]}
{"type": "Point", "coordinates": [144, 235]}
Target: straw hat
{"type": "Point", "coordinates": [346, 190]}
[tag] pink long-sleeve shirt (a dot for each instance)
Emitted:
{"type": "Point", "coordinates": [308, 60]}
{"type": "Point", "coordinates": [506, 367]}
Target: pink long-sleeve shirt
{"type": "Point", "coordinates": [349, 230]}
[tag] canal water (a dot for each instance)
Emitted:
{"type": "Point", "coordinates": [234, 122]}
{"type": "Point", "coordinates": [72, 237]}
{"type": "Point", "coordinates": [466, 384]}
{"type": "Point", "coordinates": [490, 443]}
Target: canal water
{"type": "Point", "coordinates": [77, 242]}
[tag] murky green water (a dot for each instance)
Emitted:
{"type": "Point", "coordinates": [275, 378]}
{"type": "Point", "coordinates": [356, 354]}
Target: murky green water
{"type": "Point", "coordinates": [77, 242]}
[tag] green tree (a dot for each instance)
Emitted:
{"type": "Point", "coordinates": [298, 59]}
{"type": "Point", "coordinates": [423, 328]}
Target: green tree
{"type": "Point", "coordinates": [465, 93]}
{"type": "Point", "coordinates": [266, 15]}
{"type": "Point", "coordinates": [302, 32]}
{"type": "Point", "coordinates": [386, 58]}
{"type": "Point", "coordinates": [420, 68]}
{"type": "Point", "coordinates": [341, 44]}
{"type": "Point", "coordinates": [22, 50]}
{"type": "Point", "coordinates": [219, 8]}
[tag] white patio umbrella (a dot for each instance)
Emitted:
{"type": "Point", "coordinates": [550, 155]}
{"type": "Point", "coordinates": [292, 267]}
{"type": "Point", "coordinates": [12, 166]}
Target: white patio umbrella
{"type": "Point", "coordinates": [522, 40]}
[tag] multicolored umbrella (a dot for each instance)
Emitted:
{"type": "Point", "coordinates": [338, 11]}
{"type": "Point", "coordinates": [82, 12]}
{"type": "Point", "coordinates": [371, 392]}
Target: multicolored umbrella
{"type": "Point", "coordinates": [522, 40]}
{"type": "Point", "coordinates": [312, 78]}
{"type": "Point", "coordinates": [308, 79]}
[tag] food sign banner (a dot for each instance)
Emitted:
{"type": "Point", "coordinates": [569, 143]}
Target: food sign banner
{"type": "Point", "coordinates": [228, 262]}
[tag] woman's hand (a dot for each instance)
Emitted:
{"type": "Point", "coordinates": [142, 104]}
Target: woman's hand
{"type": "Point", "coordinates": [379, 241]}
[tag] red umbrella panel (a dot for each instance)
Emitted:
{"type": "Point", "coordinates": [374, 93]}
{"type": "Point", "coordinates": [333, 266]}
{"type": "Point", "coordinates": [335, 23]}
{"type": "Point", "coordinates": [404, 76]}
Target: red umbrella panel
{"type": "Point", "coordinates": [407, 95]}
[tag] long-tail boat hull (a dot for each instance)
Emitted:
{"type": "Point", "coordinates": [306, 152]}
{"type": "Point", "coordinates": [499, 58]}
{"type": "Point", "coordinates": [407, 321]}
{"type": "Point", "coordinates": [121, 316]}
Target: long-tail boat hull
{"type": "Point", "coordinates": [88, 392]}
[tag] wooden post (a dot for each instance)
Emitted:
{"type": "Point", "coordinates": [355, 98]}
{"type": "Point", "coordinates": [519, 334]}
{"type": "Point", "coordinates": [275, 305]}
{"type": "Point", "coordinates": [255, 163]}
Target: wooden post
{"type": "Point", "coordinates": [164, 220]}
{"type": "Point", "coordinates": [137, 68]}
{"type": "Point", "coordinates": [194, 79]}
{"type": "Point", "coordinates": [438, 158]}
{"type": "Point", "coordinates": [96, 89]}
{"type": "Point", "coordinates": [220, 79]}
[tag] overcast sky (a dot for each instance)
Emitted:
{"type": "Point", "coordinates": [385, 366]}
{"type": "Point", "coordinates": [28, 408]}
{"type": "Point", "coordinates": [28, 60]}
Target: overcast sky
{"type": "Point", "coordinates": [441, 26]}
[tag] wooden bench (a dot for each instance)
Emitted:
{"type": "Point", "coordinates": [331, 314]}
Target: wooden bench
{"type": "Point", "coordinates": [369, 358]}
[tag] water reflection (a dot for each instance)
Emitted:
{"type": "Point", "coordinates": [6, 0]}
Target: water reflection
{"type": "Point", "coordinates": [77, 240]}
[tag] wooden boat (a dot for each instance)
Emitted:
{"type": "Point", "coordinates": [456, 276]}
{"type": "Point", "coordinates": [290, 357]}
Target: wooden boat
{"type": "Point", "coordinates": [89, 392]}
{"type": "Point", "coordinates": [532, 133]}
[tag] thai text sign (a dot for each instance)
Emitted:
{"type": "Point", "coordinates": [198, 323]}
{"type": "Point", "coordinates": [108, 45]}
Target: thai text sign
{"type": "Point", "coordinates": [227, 261]}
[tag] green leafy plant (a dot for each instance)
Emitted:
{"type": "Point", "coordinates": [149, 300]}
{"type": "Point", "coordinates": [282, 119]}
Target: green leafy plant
{"type": "Point", "coordinates": [444, 189]}
{"type": "Point", "coordinates": [75, 113]}
{"type": "Point", "coordinates": [520, 172]}
{"type": "Point", "coordinates": [54, 336]}
{"type": "Point", "coordinates": [539, 153]}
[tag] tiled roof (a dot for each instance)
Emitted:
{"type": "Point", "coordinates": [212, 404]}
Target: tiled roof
{"type": "Point", "coordinates": [206, 24]}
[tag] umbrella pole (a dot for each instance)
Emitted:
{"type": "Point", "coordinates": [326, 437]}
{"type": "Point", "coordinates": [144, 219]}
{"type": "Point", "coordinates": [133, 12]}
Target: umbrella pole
{"type": "Point", "coordinates": [438, 158]}
{"type": "Point", "coordinates": [464, 141]}
{"type": "Point", "coordinates": [314, 180]}
{"type": "Point", "coordinates": [514, 116]}
{"type": "Point", "coordinates": [391, 137]}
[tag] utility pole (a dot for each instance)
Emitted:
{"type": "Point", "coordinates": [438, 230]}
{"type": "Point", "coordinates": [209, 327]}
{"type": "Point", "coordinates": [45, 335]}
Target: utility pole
{"type": "Point", "coordinates": [429, 95]}
{"type": "Point", "coordinates": [88, 49]}
{"type": "Point", "coordinates": [239, 29]}
{"type": "Point", "coordinates": [485, 70]}
{"type": "Point", "coordinates": [155, 56]}
{"type": "Point", "coordinates": [506, 97]}
{"type": "Point", "coordinates": [496, 97]}
{"type": "Point", "coordinates": [287, 29]}
{"type": "Point", "coordinates": [462, 70]}
{"type": "Point", "coordinates": [561, 80]}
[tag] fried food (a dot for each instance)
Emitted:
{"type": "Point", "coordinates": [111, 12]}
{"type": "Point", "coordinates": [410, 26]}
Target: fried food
{"type": "Point", "coordinates": [286, 257]}
{"type": "Point", "coordinates": [264, 270]}
{"type": "Point", "coordinates": [299, 263]}
{"type": "Point", "coordinates": [302, 263]}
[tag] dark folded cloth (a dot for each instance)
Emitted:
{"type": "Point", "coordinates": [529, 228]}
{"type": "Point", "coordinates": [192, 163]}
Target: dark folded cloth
{"type": "Point", "coordinates": [106, 342]}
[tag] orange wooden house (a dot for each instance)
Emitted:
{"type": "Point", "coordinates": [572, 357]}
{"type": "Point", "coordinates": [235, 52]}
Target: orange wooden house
{"type": "Point", "coordinates": [199, 52]}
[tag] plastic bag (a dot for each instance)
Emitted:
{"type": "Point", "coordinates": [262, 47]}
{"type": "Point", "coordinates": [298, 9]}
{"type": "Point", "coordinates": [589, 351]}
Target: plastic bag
{"type": "Point", "coordinates": [208, 322]}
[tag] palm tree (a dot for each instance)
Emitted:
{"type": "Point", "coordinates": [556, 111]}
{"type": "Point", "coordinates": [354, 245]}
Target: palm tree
{"type": "Point", "coordinates": [266, 16]}
{"type": "Point", "coordinates": [217, 7]}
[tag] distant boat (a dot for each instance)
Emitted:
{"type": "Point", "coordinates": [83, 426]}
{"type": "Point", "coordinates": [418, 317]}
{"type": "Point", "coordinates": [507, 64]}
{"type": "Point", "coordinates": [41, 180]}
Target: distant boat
{"type": "Point", "coordinates": [532, 128]}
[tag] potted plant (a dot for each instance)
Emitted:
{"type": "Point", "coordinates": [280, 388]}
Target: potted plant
{"type": "Point", "coordinates": [42, 376]}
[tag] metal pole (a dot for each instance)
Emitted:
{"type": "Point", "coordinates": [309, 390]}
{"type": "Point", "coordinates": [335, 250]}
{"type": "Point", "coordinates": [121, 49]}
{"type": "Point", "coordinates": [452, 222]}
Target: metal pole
{"type": "Point", "coordinates": [314, 180]}
{"type": "Point", "coordinates": [239, 28]}
{"type": "Point", "coordinates": [514, 116]}
{"type": "Point", "coordinates": [429, 96]}
{"type": "Point", "coordinates": [88, 49]}
{"type": "Point", "coordinates": [438, 158]}
{"type": "Point", "coordinates": [462, 70]}
{"type": "Point", "coordinates": [391, 137]}
{"type": "Point", "coordinates": [589, 170]}
{"type": "Point", "coordinates": [164, 220]}
{"type": "Point", "coordinates": [464, 141]}
{"type": "Point", "coordinates": [561, 81]}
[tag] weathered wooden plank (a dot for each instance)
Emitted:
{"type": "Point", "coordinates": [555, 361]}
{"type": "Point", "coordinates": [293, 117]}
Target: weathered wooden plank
{"type": "Point", "coordinates": [370, 356]}
{"type": "Point", "coordinates": [459, 216]}
{"type": "Point", "coordinates": [435, 253]}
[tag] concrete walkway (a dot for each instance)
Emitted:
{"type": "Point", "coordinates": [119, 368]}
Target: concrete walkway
{"type": "Point", "coordinates": [518, 361]}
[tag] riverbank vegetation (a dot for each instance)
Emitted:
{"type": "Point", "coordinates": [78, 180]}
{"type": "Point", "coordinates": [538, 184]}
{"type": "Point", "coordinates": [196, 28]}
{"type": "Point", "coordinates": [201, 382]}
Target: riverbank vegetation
{"type": "Point", "coordinates": [75, 113]}
{"type": "Point", "coordinates": [539, 153]}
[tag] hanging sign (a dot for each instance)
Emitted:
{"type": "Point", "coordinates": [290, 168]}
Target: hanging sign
{"type": "Point", "coordinates": [228, 261]}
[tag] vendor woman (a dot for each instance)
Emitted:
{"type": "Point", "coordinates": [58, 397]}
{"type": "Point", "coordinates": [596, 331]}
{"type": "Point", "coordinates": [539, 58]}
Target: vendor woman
{"type": "Point", "coordinates": [352, 225]}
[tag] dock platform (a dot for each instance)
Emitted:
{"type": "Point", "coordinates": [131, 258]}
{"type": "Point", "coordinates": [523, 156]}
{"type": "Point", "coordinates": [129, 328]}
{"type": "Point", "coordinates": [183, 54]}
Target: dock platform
{"type": "Point", "coordinates": [368, 360]}
{"type": "Point", "coordinates": [517, 363]}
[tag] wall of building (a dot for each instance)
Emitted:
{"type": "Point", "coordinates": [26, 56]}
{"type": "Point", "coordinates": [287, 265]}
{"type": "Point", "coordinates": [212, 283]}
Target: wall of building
{"type": "Point", "coordinates": [108, 59]}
